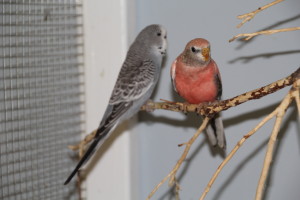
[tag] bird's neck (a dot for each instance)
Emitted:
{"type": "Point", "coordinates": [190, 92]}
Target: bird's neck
{"type": "Point", "coordinates": [192, 62]}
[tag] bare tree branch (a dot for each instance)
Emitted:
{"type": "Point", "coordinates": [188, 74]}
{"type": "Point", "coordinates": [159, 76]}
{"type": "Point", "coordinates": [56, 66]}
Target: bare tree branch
{"type": "Point", "coordinates": [209, 109]}
{"type": "Point", "coordinates": [279, 113]}
{"type": "Point", "coordinates": [248, 16]}
{"type": "Point", "coordinates": [249, 36]}
{"type": "Point", "coordinates": [234, 150]}
{"type": "Point", "coordinates": [172, 174]}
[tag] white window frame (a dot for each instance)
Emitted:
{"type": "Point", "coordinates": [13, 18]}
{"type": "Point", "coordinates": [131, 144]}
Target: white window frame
{"type": "Point", "coordinates": [109, 28]}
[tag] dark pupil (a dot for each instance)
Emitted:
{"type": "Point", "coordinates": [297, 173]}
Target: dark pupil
{"type": "Point", "coordinates": [158, 34]}
{"type": "Point", "coordinates": [193, 49]}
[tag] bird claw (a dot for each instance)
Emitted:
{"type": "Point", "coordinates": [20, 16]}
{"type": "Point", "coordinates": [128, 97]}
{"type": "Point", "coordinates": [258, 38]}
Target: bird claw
{"type": "Point", "coordinates": [198, 110]}
{"type": "Point", "coordinates": [149, 105]}
{"type": "Point", "coordinates": [184, 107]}
{"type": "Point", "coordinates": [81, 146]}
{"type": "Point", "coordinates": [202, 106]}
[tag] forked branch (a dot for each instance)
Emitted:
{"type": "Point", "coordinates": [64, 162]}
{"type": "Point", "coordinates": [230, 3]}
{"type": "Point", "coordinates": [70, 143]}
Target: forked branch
{"type": "Point", "coordinates": [248, 36]}
{"type": "Point", "coordinates": [172, 174]}
{"type": "Point", "coordinates": [248, 16]}
{"type": "Point", "coordinates": [279, 113]}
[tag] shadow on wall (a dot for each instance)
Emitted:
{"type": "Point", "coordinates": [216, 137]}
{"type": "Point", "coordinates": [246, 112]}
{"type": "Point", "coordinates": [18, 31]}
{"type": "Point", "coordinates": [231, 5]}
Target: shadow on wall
{"type": "Point", "coordinates": [247, 59]}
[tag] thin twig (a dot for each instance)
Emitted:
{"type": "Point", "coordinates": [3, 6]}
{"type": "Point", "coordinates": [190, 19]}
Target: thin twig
{"type": "Point", "coordinates": [297, 98]}
{"type": "Point", "coordinates": [248, 16]}
{"type": "Point", "coordinates": [172, 174]}
{"type": "Point", "coordinates": [234, 150]}
{"type": "Point", "coordinates": [296, 95]}
{"type": "Point", "coordinates": [268, 157]}
{"type": "Point", "coordinates": [177, 189]}
{"type": "Point", "coordinates": [281, 110]}
{"type": "Point", "coordinates": [249, 36]}
{"type": "Point", "coordinates": [296, 92]}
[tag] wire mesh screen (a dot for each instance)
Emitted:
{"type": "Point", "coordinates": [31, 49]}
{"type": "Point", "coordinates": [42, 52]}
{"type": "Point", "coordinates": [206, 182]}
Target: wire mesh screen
{"type": "Point", "coordinates": [41, 97]}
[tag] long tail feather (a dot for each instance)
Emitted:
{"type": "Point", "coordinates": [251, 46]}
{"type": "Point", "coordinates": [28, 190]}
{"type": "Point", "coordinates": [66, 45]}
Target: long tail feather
{"type": "Point", "coordinates": [215, 132]}
{"type": "Point", "coordinates": [99, 136]}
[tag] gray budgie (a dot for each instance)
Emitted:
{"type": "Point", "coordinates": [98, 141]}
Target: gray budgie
{"type": "Point", "coordinates": [135, 84]}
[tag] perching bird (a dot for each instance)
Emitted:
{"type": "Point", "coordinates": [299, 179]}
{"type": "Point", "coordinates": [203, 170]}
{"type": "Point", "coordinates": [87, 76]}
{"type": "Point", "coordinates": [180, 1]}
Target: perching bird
{"type": "Point", "coordinates": [135, 83]}
{"type": "Point", "coordinates": [196, 78]}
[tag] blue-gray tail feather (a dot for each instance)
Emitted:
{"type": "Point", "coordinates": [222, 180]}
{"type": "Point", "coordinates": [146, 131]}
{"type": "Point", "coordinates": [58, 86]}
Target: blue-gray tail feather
{"type": "Point", "coordinates": [215, 132]}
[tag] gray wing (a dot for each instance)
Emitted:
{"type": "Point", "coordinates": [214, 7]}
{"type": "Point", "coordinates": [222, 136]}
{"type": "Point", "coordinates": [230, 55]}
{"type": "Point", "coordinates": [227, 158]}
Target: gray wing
{"type": "Point", "coordinates": [133, 81]}
{"type": "Point", "coordinates": [112, 115]}
{"type": "Point", "coordinates": [219, 86]}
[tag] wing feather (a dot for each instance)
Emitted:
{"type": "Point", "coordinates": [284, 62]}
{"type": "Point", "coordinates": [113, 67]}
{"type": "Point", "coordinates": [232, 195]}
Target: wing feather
{"type": "Point", "coordinates": [133, 81]}
{"type": "Point", "coordinates": [219, 84]}
{"type": "Point", "coordinates": [173, 74]}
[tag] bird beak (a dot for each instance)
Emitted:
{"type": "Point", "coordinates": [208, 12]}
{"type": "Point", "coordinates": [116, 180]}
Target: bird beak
{"type": "Point", "coordinates": [206, 53]}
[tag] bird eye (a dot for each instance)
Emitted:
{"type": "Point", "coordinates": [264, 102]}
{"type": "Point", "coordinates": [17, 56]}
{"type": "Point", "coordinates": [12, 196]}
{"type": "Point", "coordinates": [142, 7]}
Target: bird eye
{"type": "Point", "coordinates": [165, 37]}
{"type": "Point", "coordinates": [193, 49]}
{"type": "Point", "coordinates": [158, 34]}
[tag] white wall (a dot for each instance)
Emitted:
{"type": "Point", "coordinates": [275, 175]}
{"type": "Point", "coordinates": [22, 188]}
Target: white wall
{"type": "Point", "coordinates": [108, 29]}
{"type": "Point", "coordinates": [161, 131]}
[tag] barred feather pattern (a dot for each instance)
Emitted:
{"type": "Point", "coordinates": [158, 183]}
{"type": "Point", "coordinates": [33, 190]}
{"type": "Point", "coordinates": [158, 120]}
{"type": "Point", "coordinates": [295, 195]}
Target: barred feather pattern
{"type": "Point", "coordinates": [133, 81]}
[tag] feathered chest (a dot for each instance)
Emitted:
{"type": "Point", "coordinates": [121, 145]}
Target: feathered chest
{"type": "Point", "coordinates": [196, 84]}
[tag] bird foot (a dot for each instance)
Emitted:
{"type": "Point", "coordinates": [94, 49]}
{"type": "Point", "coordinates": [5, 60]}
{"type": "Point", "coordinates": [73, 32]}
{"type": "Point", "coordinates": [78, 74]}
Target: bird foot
{"type": "Point", "coordinates": [83, 143]}
{"type": "Point", "coordinates": [203, 105]}
{"type": "Point", "coordinates": [149, 105]}
{"type": "Point", "coordinates": [184, 107]}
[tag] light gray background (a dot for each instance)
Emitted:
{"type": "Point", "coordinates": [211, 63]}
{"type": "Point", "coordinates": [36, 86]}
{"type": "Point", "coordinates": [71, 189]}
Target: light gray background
{"type": "Point", "coordinates": [243, 66]}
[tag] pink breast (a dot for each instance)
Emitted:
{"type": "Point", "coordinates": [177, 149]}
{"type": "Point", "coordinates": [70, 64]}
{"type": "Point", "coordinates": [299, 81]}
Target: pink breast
{"type": "Point", "coordinates": [196, 87]}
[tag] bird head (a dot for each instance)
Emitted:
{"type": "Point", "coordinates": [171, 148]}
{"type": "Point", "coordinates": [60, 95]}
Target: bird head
{"type": "Point", "coordinates": [153, 37]}
{"type": "Point", "coordinates": [197, 51]}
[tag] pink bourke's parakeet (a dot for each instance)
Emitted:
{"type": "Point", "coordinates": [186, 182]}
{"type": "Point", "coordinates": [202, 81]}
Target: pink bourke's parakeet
{"type": "Point", "coordinates": [196, 78]}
